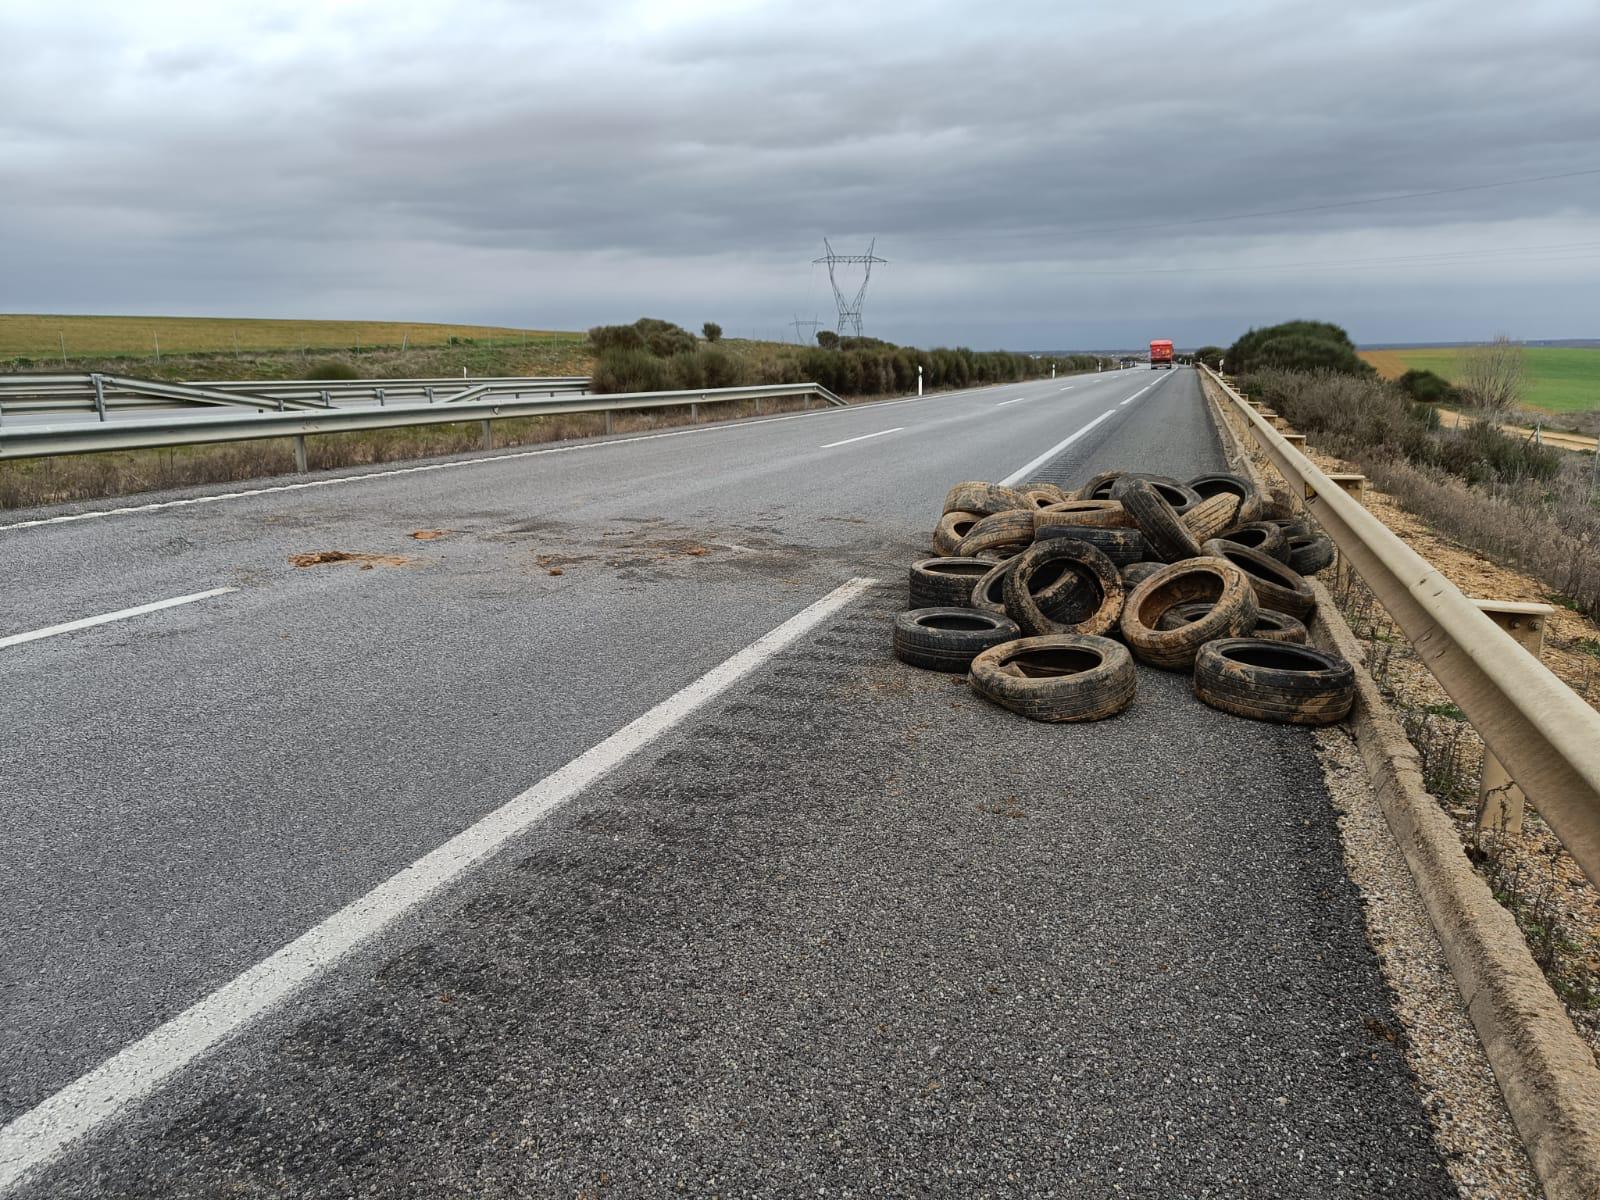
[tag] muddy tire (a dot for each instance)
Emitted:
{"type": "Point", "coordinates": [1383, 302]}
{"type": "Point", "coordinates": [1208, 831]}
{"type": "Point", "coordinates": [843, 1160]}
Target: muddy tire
{"type": "Point", "coordinates": [1270, 626]}
{"type": "Point", "coordinates": [1042, 495]}
{"type": "Point", "coordinates": [1136, 573]}
{"type": "Point", "coordinates": [952, 527]}
{"type": "Point", "coordinates": [1102, 514]}
{"type": "Point", "coordinates": [1012, 528]}
{"type": "Point", "coordinates": [1278, 505]}
{"type": "Point", "coordinates": [1121, 546]}
{"type": "Point", "coordinates": [985, 499]}
{"type": "Point", "coordinates": [1211, 516]}
{"type": "Point", "coordinates": [1064, 677]}
{"type": "Point", "coordinates": [1264, 536]}
{"type": "Point", "coordinates": [1277, 586]}
{"type": "Point", "coordinates": [989, 593]}
{"type": "Point", "coordinates": [1155, 518]}
{"type": "Point", "coordinates": [1294, 526]}
{"type": "Point", "coordinates": [1224, 484]}
{"type": "Point", "coordinates": [1308, 555]}
{"type": "Point", "coordinates": [945, 582]}
{"type": "Point", "coordinates": [1178, 495]}
{"type": "Point", "coordinates": [1098, 486]}
{"type": "Point", "coordinates": [948, 639]}
{"type": "Point", "coordinates": [1213, 581]}
{"type": "Point", "coordinates": [1274, 681]}
{"type": "Point", "coordinates": [1062, 586]}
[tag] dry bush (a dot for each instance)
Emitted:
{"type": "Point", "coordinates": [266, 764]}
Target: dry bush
{"type": "Point", "coordinates": [1494, 377]}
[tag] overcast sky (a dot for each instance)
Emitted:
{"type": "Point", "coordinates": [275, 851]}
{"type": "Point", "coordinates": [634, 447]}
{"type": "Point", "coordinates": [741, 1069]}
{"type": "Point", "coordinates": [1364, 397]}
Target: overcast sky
{"type": "Point", "coordinates": [1038, 176]}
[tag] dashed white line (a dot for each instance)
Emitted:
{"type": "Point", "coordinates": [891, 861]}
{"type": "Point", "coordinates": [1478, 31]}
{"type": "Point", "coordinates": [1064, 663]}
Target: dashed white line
{"type": "Point", "coordinates": [1018, 400]}
{"type": "Point", "coordinates": [862, 438]}
{"type": "Point", "coordinates": [43, 1132]}
{"type": "Point", "coordinates": [1068, 388]}
{"type": "Point", "coordinates": [1022, 473]}
{"type": "Point", "coordinates": [16, 639]}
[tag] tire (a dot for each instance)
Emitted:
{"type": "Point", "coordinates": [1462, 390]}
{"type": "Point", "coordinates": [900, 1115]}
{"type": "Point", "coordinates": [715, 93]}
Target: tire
{"type": "Point", "coordinates": [1211, 516]}
{"type": "Point", "coordinates": [985, 499]}
{"type": "Point", "coordinates": [1179, 496]}
{"type": "Point", "coordinates": [1311, 554]}
{"type": "Point", "coordinates": [1264, 536]}
{"type": "Point", "coordinates": [989, 594]}
{"type": "Point", "coordinates": [1278, 505]}
{"type": "Point", "coordinates": [1083, 597]}
{"type": "Point", "coordinates": [1278, 587]}
{"type": "Point", "coordinates": [1136, 573]}
{"type": "Point", "coordinates": [948, 639]}
{"type": "Point", "coordinates": [1102, 514]}
{"type": "Point", "coordinates": [1014, 527]}
{"type": "Point", "coordinates": [1055, 493]}
{"type": "Point", "coordinates": [1121, 546]}
{"type": "Point", "coordinates": [1294, 526]}
{"type": "Point", "coordinates": [1099, 486]}
{"type": "Point", "coordinates": [1156, 519]}
{"type": "Point", "coordinates": [1274, 681]}
{"type": "Point", "coordinates": [953, 526]}
{"type": "Point", "coordinates": [945, 582]}
{"type": "Point", "coordinates": [1270, 626]}
{"type": "Point", "coordinates": [1065, 677]}
{"type": "Point", "coordinates": [1224, 484]}
{"type": "Point", "coordinates": [1216, 582]}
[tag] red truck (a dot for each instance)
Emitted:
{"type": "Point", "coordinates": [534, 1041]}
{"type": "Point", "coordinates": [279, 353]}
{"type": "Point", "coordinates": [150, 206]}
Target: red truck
{"type": "Point", "coordinates": [1160, 355]}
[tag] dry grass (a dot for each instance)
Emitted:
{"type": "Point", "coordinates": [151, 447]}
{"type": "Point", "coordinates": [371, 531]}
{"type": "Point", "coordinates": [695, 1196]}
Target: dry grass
{"type": "Point", "coordinates": [41, 336]}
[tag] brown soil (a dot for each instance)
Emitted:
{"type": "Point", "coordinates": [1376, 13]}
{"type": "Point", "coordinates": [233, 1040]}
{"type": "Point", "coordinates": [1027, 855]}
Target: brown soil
{"type": "Point", "coordinates": [317, 558]}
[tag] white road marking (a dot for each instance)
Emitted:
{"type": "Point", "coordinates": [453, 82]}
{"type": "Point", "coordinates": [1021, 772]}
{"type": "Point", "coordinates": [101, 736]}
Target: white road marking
{"type": "Point", "coordinates": [1068, 388]}
{"type": "Point", "coordinates": [43, 1132]}
{"type": "Point", "coordinates": [1018, 400]}
{"type": "Point", "coordinates": [863, 437]}
{"type": "Point", "coordinates": [16, 639]}
{"type": "Point", "coordinates": [1021, 473]}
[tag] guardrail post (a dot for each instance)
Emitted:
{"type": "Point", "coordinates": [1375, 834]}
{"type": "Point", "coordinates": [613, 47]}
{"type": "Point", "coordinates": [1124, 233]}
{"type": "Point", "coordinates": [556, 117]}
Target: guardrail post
{"type": "Point", "coordinates": [694, 411]}
{"type": "Point", "coordinates": [488, 434]}
{"type": "Point", "coordinates": [608, 422]}
{"type": "Point", "coordinates": [1500, 801]}
{"type": "Point", "coordinates": [300, 453]}
{"type": "Point", "coordinates": [379, 391]}
{"type": "Point", "coordinates": [758, 406]}
{"type": "Point", "coordinates": [99, 394]}
{"type": "Point", "coordinates": [1297, 440]}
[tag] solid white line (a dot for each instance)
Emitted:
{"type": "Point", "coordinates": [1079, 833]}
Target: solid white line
{"type": "Point", "coordinates": [1021, 473]}
{"type": "Point", "coordinates": [16, 639]}
{"type": "Point", "coordinates": [43, 1132]}
{"type": "Point", "coordinates": [1068, 388]}
{"type": "Point", "coordinates": [862, 438]}
{"type": "Point", "coordinates": [1018, 400]}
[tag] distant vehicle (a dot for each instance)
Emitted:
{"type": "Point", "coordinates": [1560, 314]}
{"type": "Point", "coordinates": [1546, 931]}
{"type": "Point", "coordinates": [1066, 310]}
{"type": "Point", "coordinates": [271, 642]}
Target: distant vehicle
{"type": "Point", "coordinates": [1160, 355]}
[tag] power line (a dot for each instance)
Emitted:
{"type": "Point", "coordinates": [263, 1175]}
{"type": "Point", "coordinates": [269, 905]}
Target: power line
{"type": "Point", "coordinates": [849, 310]}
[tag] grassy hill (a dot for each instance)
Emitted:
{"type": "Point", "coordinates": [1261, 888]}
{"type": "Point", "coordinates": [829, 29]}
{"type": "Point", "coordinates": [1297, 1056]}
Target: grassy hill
{"type": "Point", "coordinates": [40, 337]}
{"type": "Point", "coordinates": [1561, 379]}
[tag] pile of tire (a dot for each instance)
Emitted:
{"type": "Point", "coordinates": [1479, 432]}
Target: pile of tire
{"type": "Point", "coordinates": [1045, 598]}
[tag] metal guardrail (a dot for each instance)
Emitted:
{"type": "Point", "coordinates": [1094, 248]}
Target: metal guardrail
{"type": "Point", "coordinates": [232, 425]}
{"type": "Point", "coordinates": [100, 393]}
{"type": "Point", "coordinates": [1545, 735]}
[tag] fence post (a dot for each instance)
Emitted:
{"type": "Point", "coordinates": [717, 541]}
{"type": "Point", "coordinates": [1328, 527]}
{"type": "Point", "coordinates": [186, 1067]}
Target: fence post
{"type": "Point", "coordinates": [1500, 801]}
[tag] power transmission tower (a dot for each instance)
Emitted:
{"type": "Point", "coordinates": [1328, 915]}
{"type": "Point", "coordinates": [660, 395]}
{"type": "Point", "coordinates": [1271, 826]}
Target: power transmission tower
{"type": "Point", "coordinates": [849, 311]}
{"type": "Point", "coordinates": [810, 325]}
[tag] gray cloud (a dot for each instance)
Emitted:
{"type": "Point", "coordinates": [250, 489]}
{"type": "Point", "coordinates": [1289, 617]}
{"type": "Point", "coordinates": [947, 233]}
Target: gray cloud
{"type": "Point", "coordinates": [1039, 175]}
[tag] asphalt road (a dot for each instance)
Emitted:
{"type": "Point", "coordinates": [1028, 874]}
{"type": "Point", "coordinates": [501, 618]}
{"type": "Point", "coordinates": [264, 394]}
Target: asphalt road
{"type": "Point", "coordinates": [782, 951]}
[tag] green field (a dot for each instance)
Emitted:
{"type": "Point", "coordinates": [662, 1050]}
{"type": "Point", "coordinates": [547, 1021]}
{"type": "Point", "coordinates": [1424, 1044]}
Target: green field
{"type": "Point", "coordinates": [41, 337]}
{"type": "Point", "coordinates": [1559, 379]}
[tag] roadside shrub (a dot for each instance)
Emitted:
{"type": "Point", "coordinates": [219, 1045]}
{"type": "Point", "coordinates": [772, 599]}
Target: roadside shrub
{"type": "Point", "coordinates": [625, 369]}
{"type": "Point", "coordinates": [615, 337]}
{"type": "Point", "coordinates": [1297, 346]}
{"type": "Point", "coordinates": [1210, 355]}
{"type": "Point", "coordinates": [1425, 387]}
{"type": "Point", "coordinates": [712, 330]}
{"type": "Point", "coordinates": [1484, 454]}
{"type": "Point", "coordinates": [331, 368]}
{"type": "Point", "coordinates": [827, 339]}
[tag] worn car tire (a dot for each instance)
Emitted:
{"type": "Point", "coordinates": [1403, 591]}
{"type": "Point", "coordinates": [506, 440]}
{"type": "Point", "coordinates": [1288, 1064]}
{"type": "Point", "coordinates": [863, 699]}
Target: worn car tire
{"type": "Point", "coordinates": [1294, 526]}
{"type": "Point", "coordinates": [1121, 546]}
{"type": "Point", "coordinates": [1225, 484]}
{"type": "Point", "coordinates": [1063, 585]}
{"type": "Point", "coordinates": [984, 499]}
{"type": "Point", "coordinates": [945, 582]}
{"type": "Point", "coordinates": [1155, 518]}
{"type": "Point", "coordinates": [1211, 516]}
{"type": "Point", "coordinates": [1181, 497]}
{"type": "Point", "coordinates": [1098, 486]}
{"type": "Point", "coordinates": [1102, 514]}
{"type": "Point", "coordinates": [1042, 495]}
{"type": "Point", "coordinates": [948, 639]}
{"type": "Point", "coordinates": [1278, 505]}
{"type": "Point", "coordinates": [1136, 573]}
{"type": "Point", "coordinates": [1311, 554]}
{"type": "Point", "coordinates": [989, 593]}
{"type": "Point", "coordinates": [1063, 677]}
{"type": "Point", "coordinates": [1216, 582]}
{"type": "Point", "coordinates": [1274, 681]}
{"type": "Point", "coordinates": [1270, 626]}
{"type": "Point", "coordinates": [952, 527]}
{"type": "Point", "coordinates": [1264, 536]}
{"type": "Point", "coordinates": [1276, 585]}
{"type": "Point", "coordinates": [1014, 527]}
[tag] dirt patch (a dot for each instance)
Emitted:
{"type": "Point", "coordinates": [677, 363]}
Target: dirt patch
{"type": "Point", "coordinates": [429, 535]}
{"type": "Point", "coordinates": [317, 558]}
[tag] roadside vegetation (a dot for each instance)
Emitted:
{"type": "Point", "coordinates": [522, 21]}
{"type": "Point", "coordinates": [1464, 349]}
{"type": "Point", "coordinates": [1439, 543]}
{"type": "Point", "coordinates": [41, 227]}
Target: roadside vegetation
{"type": "Point", "coordinates": [1560, 380]}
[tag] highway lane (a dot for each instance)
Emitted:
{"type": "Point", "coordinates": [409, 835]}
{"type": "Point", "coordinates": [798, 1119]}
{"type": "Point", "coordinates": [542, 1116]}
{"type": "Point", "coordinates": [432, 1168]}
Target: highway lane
{"type": "Point", "coordinates": [198, 786]}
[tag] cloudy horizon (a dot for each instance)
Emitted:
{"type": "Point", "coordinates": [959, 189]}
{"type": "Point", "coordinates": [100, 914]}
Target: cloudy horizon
{"type": "Point", "coordinates": [1055, 176]}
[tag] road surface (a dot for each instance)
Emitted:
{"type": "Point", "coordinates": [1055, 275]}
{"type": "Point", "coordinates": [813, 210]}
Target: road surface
{"type": "Point", "coordinates": [823, 924]}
